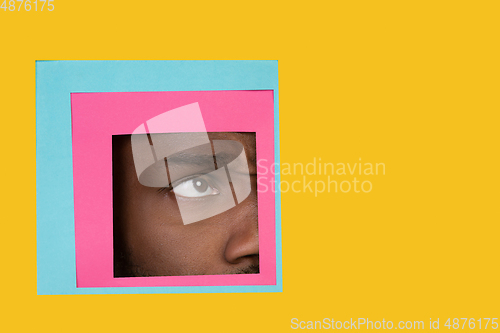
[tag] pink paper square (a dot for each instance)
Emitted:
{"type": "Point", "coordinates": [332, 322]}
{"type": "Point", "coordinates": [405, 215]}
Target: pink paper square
{"type": "Point", "coordinates": [96, 117]}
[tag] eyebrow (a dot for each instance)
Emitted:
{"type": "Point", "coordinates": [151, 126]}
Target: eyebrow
{"type": "Point", "coordinates": [183, 158]}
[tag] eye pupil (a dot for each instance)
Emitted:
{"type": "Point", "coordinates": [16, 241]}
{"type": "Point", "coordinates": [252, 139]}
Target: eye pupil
{"type": "Point", "coordinates": [200, 185]}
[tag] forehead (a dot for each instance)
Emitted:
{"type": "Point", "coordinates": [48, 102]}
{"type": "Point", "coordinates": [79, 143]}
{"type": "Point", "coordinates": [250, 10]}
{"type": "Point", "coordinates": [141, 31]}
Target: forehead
{"type": "Point", "coordinates": [122, 147]}
{"type": "Point", "coordinates": [247, 139]}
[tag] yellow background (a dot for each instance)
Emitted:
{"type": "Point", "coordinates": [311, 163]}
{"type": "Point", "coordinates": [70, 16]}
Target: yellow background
{"type": "Point", "coordinates": [414, 85]}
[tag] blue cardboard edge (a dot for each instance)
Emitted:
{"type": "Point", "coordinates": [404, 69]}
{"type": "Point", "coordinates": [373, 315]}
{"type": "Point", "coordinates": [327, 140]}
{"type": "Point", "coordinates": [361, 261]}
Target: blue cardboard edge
{"type": "Point", "coordinates": [55, 80]}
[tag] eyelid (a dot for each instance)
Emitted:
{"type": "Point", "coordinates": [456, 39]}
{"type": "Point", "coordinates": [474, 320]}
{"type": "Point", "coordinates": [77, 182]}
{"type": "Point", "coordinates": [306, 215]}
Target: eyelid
{"type": "Point", "coordinates": [185, 179]}
{"type": "Point", "coordinates": [174, 183]}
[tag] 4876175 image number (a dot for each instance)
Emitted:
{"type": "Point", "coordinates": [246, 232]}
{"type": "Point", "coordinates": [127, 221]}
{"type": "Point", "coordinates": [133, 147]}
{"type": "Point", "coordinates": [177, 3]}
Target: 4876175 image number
{"type": "Point", "coordinates": [27, 5]}
{"type": "Point", "coordinates": [480, 323]}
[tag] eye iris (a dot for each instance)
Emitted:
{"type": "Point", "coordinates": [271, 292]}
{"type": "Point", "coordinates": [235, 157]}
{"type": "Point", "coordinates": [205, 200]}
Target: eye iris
{"type": "Point", "coordinates": [200, 185]}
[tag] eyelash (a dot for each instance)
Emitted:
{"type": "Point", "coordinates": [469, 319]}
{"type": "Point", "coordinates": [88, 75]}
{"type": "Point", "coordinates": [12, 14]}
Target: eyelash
{"type": "Point", "coordinates": [171, 186]}
{"type": "Point", "coordinates": [164, 189]}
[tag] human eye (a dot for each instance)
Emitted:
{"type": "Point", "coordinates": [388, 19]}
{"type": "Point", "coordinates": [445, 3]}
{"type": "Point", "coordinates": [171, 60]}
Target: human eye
{"type": "Point", "coordinates": [194, 188]}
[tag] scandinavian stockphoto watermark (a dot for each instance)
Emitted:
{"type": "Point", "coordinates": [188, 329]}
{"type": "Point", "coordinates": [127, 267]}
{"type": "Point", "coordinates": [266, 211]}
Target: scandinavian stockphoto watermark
{"type": "Point", "coordinates": [174, 151]}
{"type": "Point", "coordinates": [318, 176]}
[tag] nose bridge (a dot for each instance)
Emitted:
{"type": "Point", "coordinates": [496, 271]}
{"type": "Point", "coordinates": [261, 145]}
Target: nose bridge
{"type": "Point", "coordinates": [243, 240]}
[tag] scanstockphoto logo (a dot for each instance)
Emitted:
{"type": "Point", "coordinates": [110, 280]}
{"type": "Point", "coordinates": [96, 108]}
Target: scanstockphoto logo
{"type": "Point", "coordinates": [319, 176]}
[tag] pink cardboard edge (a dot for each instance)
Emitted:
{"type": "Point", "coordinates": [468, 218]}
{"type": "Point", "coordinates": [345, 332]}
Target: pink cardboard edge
{"type": "Point", "coordinates": [98, 116]}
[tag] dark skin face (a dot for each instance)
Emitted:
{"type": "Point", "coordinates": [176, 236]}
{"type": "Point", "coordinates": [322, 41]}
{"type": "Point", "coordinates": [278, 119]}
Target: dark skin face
{"type": "Point", "coordinates": [150, 238]}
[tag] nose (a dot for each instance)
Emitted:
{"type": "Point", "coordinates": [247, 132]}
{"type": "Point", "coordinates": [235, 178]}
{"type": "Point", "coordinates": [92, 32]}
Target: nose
{"type": "Point", "coordinates": [242, 247]}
